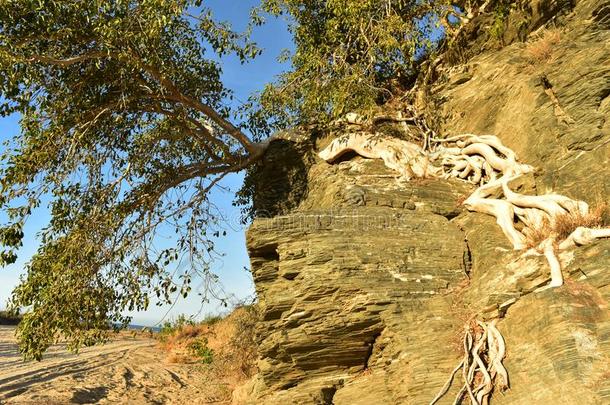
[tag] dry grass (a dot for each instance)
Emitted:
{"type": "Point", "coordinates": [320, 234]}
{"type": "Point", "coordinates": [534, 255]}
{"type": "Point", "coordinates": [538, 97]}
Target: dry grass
{"type": "Point", "coordinates": [542, 50]}
{"type": "Point", "coordinates": [536, 236]}
{"type": "Point", "coordinates": [226, 348]}
{"type": "Point", "coordinates": [565, 224]}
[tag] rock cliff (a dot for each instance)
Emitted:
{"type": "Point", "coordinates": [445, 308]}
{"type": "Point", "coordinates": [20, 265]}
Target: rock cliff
{"type": "Point", "coordinates": [365, 282]}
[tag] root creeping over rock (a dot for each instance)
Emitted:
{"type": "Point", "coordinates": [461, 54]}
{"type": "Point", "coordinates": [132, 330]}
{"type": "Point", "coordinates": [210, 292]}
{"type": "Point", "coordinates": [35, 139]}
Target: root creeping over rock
{"type": "Point", "coordinates": [487, 163]}
{"type": "Point", "coordinates": [482, 368]}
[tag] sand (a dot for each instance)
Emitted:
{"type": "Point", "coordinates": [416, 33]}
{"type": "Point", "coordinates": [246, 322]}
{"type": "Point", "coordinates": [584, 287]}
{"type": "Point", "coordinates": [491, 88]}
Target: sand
{"type": "Point", "coordinates": [128, 370]}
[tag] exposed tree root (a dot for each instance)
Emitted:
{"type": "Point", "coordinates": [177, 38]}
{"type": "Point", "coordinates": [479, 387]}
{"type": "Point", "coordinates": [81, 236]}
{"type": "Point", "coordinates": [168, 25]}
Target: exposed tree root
{"type": "Point", "coordinates": [486, 162]}
{"type": "Point", "coordinates": [584, 236]}
{"type": "Point", "coordinates": [404, 157]}
{"type": "Point", "coordinates": [548, 247]}
{"type": "Point", "coordinates": [482, 368]}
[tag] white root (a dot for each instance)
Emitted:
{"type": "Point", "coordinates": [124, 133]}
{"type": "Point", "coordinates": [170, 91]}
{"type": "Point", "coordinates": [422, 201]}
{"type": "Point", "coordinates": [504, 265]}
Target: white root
{"type": "Point", "coordinates": [469, 371]}
{"type": "Point", "coordinates": [498, 354]}
{"type": "Point", "coordinates": [489, 155]}
{"type": "Point", "coordinates": [548, 205]}
{"type": "Point", "coordinates": [447, 384]}
{"type": "Point", "coordinates": [489, 171]}
{"type": "Point", "coordinates": [489, 164]}
{"type": "Point", "coordinates": [404, 157]}
{"type": "Point", "coordinates": [491, 140]}
{"type": "Point", "coordinates": [584, 236]}
{"type": "Point", "coordinates": [532, 218]}
{"type": "Point", "coordinates": [487, 386]}
{"type": "Point", "coordinates": [504, 213]}
{"type": "Point", "coordinates": [483, 355]}
{"type": "Point", "coordinates": [548, 249]}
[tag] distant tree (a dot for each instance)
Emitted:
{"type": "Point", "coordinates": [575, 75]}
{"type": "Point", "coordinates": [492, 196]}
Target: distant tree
{"type": "Point", "coordinates": [125, 129]}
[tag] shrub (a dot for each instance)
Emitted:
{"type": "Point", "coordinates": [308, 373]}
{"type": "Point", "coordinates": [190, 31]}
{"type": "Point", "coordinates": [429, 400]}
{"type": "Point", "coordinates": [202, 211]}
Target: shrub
{"type": "Point", "coordinates": [172, 326]}
{"type": "Point", "coordinates": [199, 348]}
{"type": "Point", "coordinates": [501, 13]}
{"type": "Point", "coordinates": [9, 318]}
{"type": "Point", "coordinates": [541, 50]}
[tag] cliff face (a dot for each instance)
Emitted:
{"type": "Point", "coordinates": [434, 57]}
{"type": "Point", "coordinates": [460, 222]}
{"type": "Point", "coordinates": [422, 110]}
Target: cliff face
{"type": "Point", "coordinates": [366, 282]}
{"type": "Point", "coordinates": [548, 99]}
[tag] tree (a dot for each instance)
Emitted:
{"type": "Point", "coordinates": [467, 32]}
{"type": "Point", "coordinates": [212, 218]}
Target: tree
{"type": "Point", "coordinates": [350, 56]}
{"type": "Point", "coordinates": [125, 130]}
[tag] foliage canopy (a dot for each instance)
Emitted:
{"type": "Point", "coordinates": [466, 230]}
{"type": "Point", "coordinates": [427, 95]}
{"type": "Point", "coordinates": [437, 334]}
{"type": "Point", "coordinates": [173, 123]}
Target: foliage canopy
{"type": "Point", "coordinates": [125, 129]}
{"type": "Point", "coordinates": [349, 56]}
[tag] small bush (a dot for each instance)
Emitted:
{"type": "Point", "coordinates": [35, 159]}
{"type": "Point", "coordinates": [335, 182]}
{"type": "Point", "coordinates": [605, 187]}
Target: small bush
{"type": "Point", "coordinates": [199, 348]}
{"type": "Point", "coordinates": [501, 13]}
{"type": "Point", "coordinates": [542, 50]}
{"type": "Point", "coordinates": [170, 327]}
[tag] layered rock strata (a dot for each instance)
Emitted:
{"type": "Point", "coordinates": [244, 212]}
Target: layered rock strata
{"type": "Point", "coordinates": [365, 282]}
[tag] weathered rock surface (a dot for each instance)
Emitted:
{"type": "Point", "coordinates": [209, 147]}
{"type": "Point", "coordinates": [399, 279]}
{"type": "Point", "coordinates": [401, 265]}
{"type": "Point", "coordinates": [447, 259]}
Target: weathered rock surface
{"type": "Point", "coordinates": [366, 282]}
{"type": "Point", "coordinates": [341, 281]}
{"type": "Point", "coordinates": [506, 95]}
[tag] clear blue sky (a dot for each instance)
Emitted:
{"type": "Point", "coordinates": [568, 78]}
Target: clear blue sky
{"type": "Point", "coordinates": [243, 79]}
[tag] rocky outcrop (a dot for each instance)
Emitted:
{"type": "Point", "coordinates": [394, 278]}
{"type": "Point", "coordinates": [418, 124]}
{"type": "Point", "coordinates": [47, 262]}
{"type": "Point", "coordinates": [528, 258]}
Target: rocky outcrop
{"type": "Point", "coordinates": [365, 281]}
{"type": "Point", "coordinates": [343, 280]}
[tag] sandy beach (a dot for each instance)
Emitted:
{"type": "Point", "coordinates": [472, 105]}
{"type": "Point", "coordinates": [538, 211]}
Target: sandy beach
{"type": "Point", "coordinates": [128, 370]}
